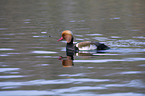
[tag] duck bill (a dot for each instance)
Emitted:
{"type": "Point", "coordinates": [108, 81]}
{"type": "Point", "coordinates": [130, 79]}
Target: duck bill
{"type": "Point", "coordinates": [60, 39]}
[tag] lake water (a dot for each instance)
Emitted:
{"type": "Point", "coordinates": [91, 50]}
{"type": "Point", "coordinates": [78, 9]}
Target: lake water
{"type": "Point", "coordinates": [30, 56]}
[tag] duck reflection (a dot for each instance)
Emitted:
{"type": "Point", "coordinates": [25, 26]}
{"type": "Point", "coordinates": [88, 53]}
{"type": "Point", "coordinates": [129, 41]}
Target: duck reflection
{"type": "Point", "coordinates": [68, 60]}
{"type": "Point", "coordinates": [89, 52]}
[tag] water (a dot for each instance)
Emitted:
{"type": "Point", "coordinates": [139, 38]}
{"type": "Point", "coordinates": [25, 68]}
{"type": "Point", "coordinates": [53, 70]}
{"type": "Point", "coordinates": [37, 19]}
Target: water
{"type": "Point", "coordinates": [31, 59]}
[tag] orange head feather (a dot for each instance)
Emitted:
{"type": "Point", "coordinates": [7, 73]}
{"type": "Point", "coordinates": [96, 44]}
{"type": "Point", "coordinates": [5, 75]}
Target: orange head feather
{"type": "Point", "coordinates": [66, 32]}
{"type": "Point", "coordinates": [67, 35]}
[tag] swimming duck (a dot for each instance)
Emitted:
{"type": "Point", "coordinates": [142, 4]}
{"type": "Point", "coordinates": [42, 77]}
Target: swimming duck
{"type": "Point", "coordinates": [86, 45]}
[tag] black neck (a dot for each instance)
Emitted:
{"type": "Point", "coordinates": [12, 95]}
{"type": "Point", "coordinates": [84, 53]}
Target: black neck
{"type": "Point", "coordinates": [70, 46]}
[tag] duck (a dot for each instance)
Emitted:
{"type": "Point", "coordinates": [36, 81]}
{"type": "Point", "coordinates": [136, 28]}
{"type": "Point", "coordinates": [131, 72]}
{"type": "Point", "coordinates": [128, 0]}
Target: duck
{"type": "Point", "coordinates": [85, 45]}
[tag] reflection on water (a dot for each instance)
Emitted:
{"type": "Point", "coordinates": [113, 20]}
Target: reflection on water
{"type": "Point", "coordinates": [31, 59]}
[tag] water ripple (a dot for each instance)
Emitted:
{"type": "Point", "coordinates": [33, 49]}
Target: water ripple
{"type": "Point", "coordinates": [26, 93]}
{"type": "Point", "coordinates": [62, 93]}
{"type": "Point", "coordinates": [6, 49]}
{"type": "Point", "coordinates": [44, 82]}
{"type": "Point", "coordinates": [73, 75]}
{"type": "Point", "coordinates": [8, 69]}
{"type": "Point", "coordinates": [133, 72]}
{"type": "Point", "coordinates": [125, 43]}
{"type": "Point", "coordinates": [110, 60]}
{"type": "Point", "coordinates": [44, 52]}
{"type": "Point", "coordinates": [94, 34]}
{"type": "Point", "coordinates": [12, 76]}
{"type": "Point", "coordinates": [126, 50]}
{"type": "Point", "coordinates": [132, 83]}
{"type": "Point", "coordinates": [3, 28]}
{"type": "Point", "coordinates": [75, 89]}
{"type": "Point", "coordinates": [139, 37]}
{"type": "Point", "coordinates": [100, 38]}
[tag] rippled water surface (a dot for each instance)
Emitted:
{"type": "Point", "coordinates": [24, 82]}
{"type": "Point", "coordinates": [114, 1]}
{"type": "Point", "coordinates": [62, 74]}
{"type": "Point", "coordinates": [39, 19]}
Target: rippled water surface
{"type": "Point", "coordinates": [30, 56]}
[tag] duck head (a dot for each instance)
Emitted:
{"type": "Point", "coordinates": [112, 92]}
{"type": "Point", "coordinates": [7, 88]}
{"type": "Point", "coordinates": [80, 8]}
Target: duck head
{"type": "Point", "coordinates": [67, 35]}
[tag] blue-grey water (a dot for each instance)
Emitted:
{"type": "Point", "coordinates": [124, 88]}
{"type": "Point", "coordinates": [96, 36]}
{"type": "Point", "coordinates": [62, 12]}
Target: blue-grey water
{"type": "Point", "coordinates": [30, 63]}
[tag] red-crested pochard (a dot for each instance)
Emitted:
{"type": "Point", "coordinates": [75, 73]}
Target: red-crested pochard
{"type": "Point", "coordinates": [86, 45]}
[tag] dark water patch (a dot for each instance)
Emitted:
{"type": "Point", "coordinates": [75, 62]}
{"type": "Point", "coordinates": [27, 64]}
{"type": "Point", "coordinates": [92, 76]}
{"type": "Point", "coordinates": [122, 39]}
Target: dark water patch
{"type": "Point", "coordinates": [5, 38]}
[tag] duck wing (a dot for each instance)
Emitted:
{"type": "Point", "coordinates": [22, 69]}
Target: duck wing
{"type": "Point", "coordinates": [91, 45]}
{"type": "Point", "coordinates": [87, 45]}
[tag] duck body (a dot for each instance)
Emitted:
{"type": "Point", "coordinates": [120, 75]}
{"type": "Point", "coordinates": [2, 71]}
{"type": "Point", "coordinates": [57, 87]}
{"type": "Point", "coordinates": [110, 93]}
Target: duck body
{"type": "Point", "coordinates": [86, 45]}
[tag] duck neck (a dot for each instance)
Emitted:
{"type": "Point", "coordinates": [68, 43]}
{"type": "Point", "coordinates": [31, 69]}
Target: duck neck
{"type": "Point", "coordinates": [70, 46]}
{"type": "Point", "coordinates": [71, 42]}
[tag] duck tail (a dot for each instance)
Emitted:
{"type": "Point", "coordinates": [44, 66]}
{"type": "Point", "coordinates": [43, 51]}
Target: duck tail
{"type": "Point", "coordinates": [102, 47]}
